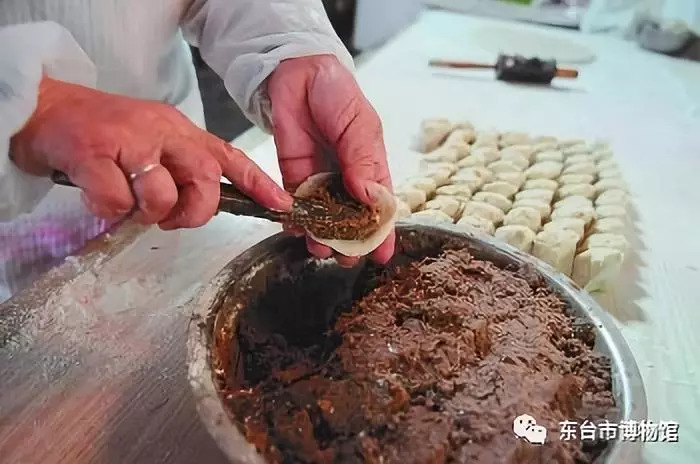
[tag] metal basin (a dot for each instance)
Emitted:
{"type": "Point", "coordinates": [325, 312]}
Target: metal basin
{"type": "Point", "coordinates": [210, 347]}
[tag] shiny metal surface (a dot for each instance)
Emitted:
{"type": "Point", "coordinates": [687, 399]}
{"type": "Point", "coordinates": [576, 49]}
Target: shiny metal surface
{"type": "Point", "coordinates": [245, 276]}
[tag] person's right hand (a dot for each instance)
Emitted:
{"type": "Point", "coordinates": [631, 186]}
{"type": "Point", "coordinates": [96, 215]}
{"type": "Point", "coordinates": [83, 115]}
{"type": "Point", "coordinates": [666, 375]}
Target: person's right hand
{"type": "Point", "coordinates": [128, 154]}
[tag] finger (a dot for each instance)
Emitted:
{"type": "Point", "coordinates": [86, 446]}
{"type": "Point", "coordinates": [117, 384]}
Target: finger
{"type": "Point", "coordinates": [385, 251]}
{"type": "Point", "coordinates": [355, 131]}
{"type": "Point", "coordinates": [318, 250]}
{"type": "Point", "coordinates": [196, 174]}
{"type": "Point", "coordinates": [346, 261]}
{"type": "Point", "coordinates": [156, 195]}
{"type": "Point", "coordinates": [297, 139]}
{"type": "Point", "coordinates": [106, 191]}
{"type": "Point", "coordinates": [248, 177]}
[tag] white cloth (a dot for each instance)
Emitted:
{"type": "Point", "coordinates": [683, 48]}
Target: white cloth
{"type": "Point", "coordinates": [135, 48]}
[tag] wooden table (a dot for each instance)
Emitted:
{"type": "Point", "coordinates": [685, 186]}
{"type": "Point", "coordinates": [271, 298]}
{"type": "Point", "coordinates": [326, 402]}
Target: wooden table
{"type": "Point", "coordinates": [92, 362]}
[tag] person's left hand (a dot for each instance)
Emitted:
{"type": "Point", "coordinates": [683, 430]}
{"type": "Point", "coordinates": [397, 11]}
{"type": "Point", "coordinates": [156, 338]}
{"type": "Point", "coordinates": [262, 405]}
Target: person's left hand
{"type": "Point", "coordinates": [320, 118]}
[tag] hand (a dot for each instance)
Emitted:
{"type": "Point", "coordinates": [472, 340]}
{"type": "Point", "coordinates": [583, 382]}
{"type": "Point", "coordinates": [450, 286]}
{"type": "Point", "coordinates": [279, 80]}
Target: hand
{"type": "Point", "coordinates": [317, 108]}
{"type": "Point", "coordinates": [127, 154]}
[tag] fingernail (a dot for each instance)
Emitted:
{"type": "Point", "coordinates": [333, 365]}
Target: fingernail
{"type": "Point", "coordinates": [373, 190]}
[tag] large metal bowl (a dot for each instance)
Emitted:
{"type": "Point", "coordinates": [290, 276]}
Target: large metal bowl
{"type": "Point", "coordinates": [210, 344]}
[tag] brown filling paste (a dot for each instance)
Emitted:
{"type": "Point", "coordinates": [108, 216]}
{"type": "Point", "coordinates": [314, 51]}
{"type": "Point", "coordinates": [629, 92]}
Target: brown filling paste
{"type": "Point", "coordinates": [431, 364]}
{"type": "Point", "coordinates": [347, 218]}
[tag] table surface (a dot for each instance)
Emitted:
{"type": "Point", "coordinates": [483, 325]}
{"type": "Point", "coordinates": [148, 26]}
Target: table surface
{"type": "Point", "coordinates": [92, 357]}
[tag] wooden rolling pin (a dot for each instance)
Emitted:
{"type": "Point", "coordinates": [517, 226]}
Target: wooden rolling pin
{"type": "Point", "coordinates": [515, 69]}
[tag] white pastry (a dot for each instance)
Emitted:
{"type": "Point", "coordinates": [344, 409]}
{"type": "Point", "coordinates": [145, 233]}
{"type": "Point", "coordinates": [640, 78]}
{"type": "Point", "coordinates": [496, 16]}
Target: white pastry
{"type": "Point", "coordinates": [544, 195]}
{"type": "Point", "coordinates": [426, 184]}
{"type": "Point", "coordinates": [581, 168]}
{"type": "Point", "coordinates": [609, 174]}
{"type": "Point", "coordinates": [413, 197]}
{"type": "Point", "coordinates": [440, 176]}
{"type": "Point", "coordinates": [460, 135]}
{"type": "Point", "coordinates": [478, 223]}
{"type": "Point", "coordinates": [514, 138]}
{"type": "Point", "coordinates": [464, 125]}
{"type": "Point", "coordinates": [600, 240]}
{"type": "Point", "coordinates": [432, 166]}
{"type": "Point", "coordinates": [578, 149]}
{"type": "Point", "coordinates": [495, 199]}
{"type": "Point", "coordinates": [502, 187]}
{"type": "Point", "coordinates": [443, 154]}
{"type": "Point", "coordinates": [547, 184]}
{"type": "Point", "coordinates": [574, 225]}
{"type": "Point", "coordinates": [609, 184]}
{"type": "Point", "coordinates": [574, 200]}
{"type": "Point", "coordinates": [432, 215]}
{"type": "Point", "coordinates": [601, 154]}
{"type": "Point", "coordinates": [584, 190]}
{"type": "Point", "coordinates": [521, 237]}
{"type": "Point", "coordinates": [491, 136]}
{"type": "Point", "coordinates": [515, 158]}
{"type": "Point", "coordinates": [576, 179]}
{"type": "Point", "coordinates": [544, 208]}
{"type": "Point", "coordinates": [433, 133]}
{"type": "Point", "coordinates": [612, 197]}
{"type": "Point", "coordinates": [489, 153]}
{"type": "Point", "coordinates": [609, 225]}
{"type": "Point", "coordinates": [596, 268]}
{"type": "Point", "coordinates": [472, 160]}
{"type": "Point", "coordinates": [484, 210]}
{"type": "Point", "coordinates": [545, 139]}
{"type": "Point", "coordinates": [524, 216]}
{"type": "Point", "coordinates": [460, 191]}
{"type": "Point", "coordinates": [448, 205]}
{"type": "Point", "coordinates": [475, 177]}
{"type": "Point", "coordinates": [503, 166]}
{"type": "Point", "coordinates": [556, 247]}
{"type": "Point", "coordinates": [577, 159]}
{"type": "Point", "coordinates": [609, 211]}
{"type": "Point", "coordinates": [515, 178]}
{"type": "Point", "coordinates": [544, 170]}
{"type": "Point", "coordinates": [549, 155]}
{"type": "Point", "coordinates": [585, 213]}
{"type": "Point", "coordinates": [526, 151]}
{"type": "Point", "coordinates": [402, 209]}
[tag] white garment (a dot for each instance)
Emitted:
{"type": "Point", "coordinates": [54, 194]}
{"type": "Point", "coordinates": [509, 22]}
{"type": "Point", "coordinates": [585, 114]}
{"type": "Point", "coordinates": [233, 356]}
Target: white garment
{"type": "Point", "coordinates": [135, 48]}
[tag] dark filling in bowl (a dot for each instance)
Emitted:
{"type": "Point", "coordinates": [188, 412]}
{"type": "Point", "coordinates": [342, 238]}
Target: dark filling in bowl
{"type": "Point", "coordinates": [431, 363]}
{"type": "Point", "coordinates": [347, 218]}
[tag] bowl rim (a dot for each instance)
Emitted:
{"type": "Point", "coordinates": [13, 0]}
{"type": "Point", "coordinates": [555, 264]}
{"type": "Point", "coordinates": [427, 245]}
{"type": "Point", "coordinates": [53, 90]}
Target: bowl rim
{"type": "Point", "coordinates": [234, 445]}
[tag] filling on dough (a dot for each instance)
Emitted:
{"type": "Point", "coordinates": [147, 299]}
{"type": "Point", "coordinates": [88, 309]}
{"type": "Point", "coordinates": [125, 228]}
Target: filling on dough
{"type": "Point", "coordinates": [347, 219]}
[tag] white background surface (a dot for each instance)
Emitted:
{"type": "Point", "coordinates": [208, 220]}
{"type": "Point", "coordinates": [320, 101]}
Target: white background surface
{"type": "Point", "coordinates": [643, 106]}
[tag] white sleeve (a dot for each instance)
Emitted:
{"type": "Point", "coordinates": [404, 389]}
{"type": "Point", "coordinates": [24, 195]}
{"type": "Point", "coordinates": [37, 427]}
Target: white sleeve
{"type": "Point", "coordinates": [27, 52]}
{"type": "Point", "coordinates": [244, 41]}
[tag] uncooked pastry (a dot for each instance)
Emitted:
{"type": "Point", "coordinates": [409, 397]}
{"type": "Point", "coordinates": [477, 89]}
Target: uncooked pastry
{"type": "Point", "coordinates": [586, 213]}
{"type": "Point", "coordinates": [515, 158]}
{"type": "Point", "coordinates": [495, 199]}
{"type": "Point", "coordinates": [547, 184]}
{"type": "Point", "coordinates": [448, 205]}
{"type": "Point", "coordinates": [539, 194]}
{"type": "Point", "coordinates": [472, 160]}
{"type": "Point", "coordinates": [576, 179]}
{"type": "Point", "coordinates": [440, 176]}
{"type": "Point", "coordinates": [484, 210]}
{"type": "Point", "coordinates": [387, 210]}
{"type": "Point", "coordinates": [521, 237]}
{"type": "Point", "coordinates": [460, 191]}
{"type": "Point", "coordinates": [432, 215]}
{"type": "Point", "coordinates": [574, 200]}
{"type": "Point", "coordinates": [607, 164]}
{"type": "Point", "coordinates": [609, 173]}
{"type": "Point", "coordinates": [544, 208]}
{"type": "Point", "coordinates": [426, 184]}
{"type": "Point", "coordinates": [514, 138]}
{"type": "Point", "coordinates": [578, 149]}
{"type": "Point", "coordinates": [576, 159]}
{"type": "Point", "coordinates": [515, 178]}
{"type": "Point", "coordinates": [556, 247]}
{"type": "Point", "coordinates": [606, 240]}
{"type": "Point", "coordinates": [433, 133]}
{"type": "Point", "coordinates": [544, 170]}
{"type": "Point", "coordinates": [526, 151]}
{"type": "Point", "coordinates": [608, 211]}
{"type": "Point", "coordinates": [609, 225]}
{"type": "Point", "coordinates": [402, 209]}
{"type": "Point", "coordinates": [490, 154]}
{"type": "Point", "coordinates": [581, 168]}
{"type": "Point", "coordinates": [549, 155]}
{"type": "Point", "coordinates": [502, 187]}
{"type": "Point", "coordinates": [574, 225]}
{"type": "Point", "coordinates": [443, 154]}
{"type": "Point", "coordinates": [524, 216]}
{"type": "Point", "coordinates": [601, 154]}
{"type": "Point", "coordinates": [498, 167]}
{"type": "Point", "coordinates": [584, 190]}
{"type": "Point", "coordinates": [609, 184]}
{"type": "Point", "coordinates": [478, 223]}
{"type": "Point", "coordinates": [596, 268]}
{"type": "Point", "coordinates": [413, 197]}
{"type": "Point", "coordinates": [612, 197]}
{"type": "Point", "coordinates": [432, 166]}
